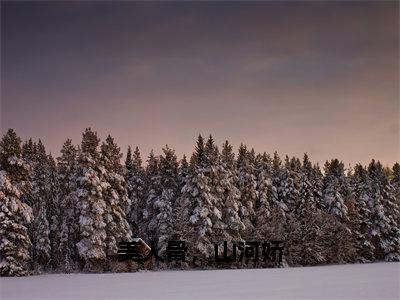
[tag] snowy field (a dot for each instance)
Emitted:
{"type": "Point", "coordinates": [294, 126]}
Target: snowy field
{"type": "Point", "coordinates": [368, 281]}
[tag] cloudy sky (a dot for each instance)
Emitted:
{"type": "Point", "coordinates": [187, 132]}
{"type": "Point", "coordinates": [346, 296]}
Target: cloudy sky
{"type": "Point", "coordinates": [316, 77]}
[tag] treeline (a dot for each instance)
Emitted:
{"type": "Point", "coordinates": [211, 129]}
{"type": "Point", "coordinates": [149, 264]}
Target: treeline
{"type": "Point", "coordinates": [68, 214]}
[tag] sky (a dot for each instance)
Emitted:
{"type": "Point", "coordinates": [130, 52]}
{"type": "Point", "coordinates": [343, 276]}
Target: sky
{"type": "Point", "coordinates": [295, 77]}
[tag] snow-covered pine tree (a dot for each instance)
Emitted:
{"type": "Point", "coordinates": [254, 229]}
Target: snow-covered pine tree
{"type": "Point", "coordinates": [217, 183]}
{"type": "Point", "coordinates": [128, 159]}
{"type": "Point", "coordinates": [289, 189]}
{"type": "Point", "coordinates": [277, 174]}
{"type": "Point", "coordinates": [252, 157]}
{"type": "Point", "coordinates": [231, 196]}
{"type": "Point", "coordinates": [362, 225]}
{"type": "Point", "coordinates": [41, 200]}
{"type": "Point", "coordinates": [228, 157]}
{"type": "Point", "coordinates": [395, 181]}
{"type": "Point", "coordinates": [385, 212]}
{"type": "Point", "coordinates": [161, 223]}
{"type": "Point", "coordinates": [54, 212]}
{"type": "Point", "coordinates": [135, 179]}
{"type": "Point", "coordinates": [153, 191]}
{"type": "Point", "coordinates": [335, 189]}
{"type": "Point", "coordinates": [307, 191]}
{"type": "Point", "coordinates": [182, 205]}
{"type": "Point", "coordinates": [28, 151]}
{"type": "Point", "coordinates": [197, 194]}
{"type": "Point", "coordinates": [66, 170]}
{"type": "Point", "coordinates": [247, 186]}
{"type": "Point", "coordinates": [317, 179]}
{"type": "Point", "coordinates": [89, 193]}
{"type": "Point", "coordinates": [183, 172]}
{"type": "Point", "coordinates": [265, 191]}
{"type": "Point", "coordinates": [11, 161]}
{"type": "Point", "coordinates": [309, 217]}
{"type": "Point", "coordinates": [15, 216]}
{"type": "Point", "coordinates": [115, 196]}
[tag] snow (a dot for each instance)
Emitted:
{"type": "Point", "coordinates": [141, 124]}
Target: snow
{"type": "Point", "coordinates": [360, 281]}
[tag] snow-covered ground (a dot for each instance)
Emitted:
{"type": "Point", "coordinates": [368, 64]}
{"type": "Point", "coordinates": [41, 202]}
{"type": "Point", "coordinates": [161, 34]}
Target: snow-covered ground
{"type": "Point", "coordinates": [363, 281]}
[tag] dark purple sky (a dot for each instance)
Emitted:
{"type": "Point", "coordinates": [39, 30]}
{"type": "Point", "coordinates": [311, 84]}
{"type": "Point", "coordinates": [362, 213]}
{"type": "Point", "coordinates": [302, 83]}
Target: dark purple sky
{"type": "Point", "coordinates": [316, 77]}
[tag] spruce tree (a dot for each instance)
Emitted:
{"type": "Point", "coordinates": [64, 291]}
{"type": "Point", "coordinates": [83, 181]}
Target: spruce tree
{"type": "Point", "coordinates": [89, 196]}
{"type": "Point", "coordinates": [11, 161]}
{"type": "Point", "coordinates": [335, 189]}
{"type": "Point", "coordinates": [197, 194]}
{"type": "Point", "coordinates": [307, 188]}
{"type": "Point", "coordinates": [277, 175]}
{"type": "Point", "coordinates": [361, 186]}
{"type": "Point", "coordinates": [265, 191]}
{"type": "Point", "coordinates": [135, 179]}
{"type": "Point", "coordinates": [385, 213]}
{"type": "Point", "coordinates": [153, 191]}
{"type": "Point", "coordinates": [182, 206]}
{"type": "Point", "coordinates": [66, 170]}
{"type": "Point", "coordinates": [15, 216]}
{"type": "Point", "coordinates": [161, 222]}
{"type": "Point", "coordinates": [217, 183]}
{"type": "Point", "coordinates": [54, 212]}
{"type": "Point", "coordinates": [316, 179]}
{"type": "Point", "coordinates": [28, 149]}
{"type": "Point", "coordinates": [115, 196]}
{"type": "Point", "coordinates": [247, 186]}
{"type": "Point", "coordinates": [395, 181]}
{"type": "Point", "coordinates": [41, 199]}
{"type": "Point", "coordinates": [289, 189]}
{"type": "Point", "coordinates": [231, 196]}
{"type": "Point", "coordinates": [183, 172]}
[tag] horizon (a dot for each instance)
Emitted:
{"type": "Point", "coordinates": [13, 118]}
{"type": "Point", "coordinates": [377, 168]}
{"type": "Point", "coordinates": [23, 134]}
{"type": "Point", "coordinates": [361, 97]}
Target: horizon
{"type": "Point", "coordinates": [144, 156]}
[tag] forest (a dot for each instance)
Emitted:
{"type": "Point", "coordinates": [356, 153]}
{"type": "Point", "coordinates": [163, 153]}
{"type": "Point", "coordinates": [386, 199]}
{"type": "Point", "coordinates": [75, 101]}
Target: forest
{"type": "Point", "coordinates": [68, 214]}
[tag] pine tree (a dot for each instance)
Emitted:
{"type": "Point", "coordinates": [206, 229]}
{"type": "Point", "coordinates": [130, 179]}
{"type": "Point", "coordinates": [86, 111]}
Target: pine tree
{"type": "Point", "coordinates": [28, 151]}
{"type": "Point", "coordinates": [277, 175]}
{"type": "Point", "coordinates": [161, 222]}
{"type": "Point", "coordinates": [265, 191]}
{"type": "Point", "coordinates": [317, 184]}
{"type": "Point", "coordinates": [128, 159]}
{"type": "Point", "coordinates": [289, 189]}
{"type": "Point", "coordinates": [247, 185]}
{"type": "Point", "coordinates": [89, 194]}
{"type": "Point", "coordinates": [197, 194]}
{"type": "Point", "coordinates": [54, 212]}
{"type": "Point", "coordinates": [134, 177]}
{"type": "Point", "coordinates": [11, 161]}
{"type": "Point", "coordinates": [395, 181]}
{"type": "Point", "coordinates": [362, 228]}
{"type": "Point", "coordinates": [67, 252]}
{"type": "Point", "coordinates": [182, 205]}
{"type": "Point", "coordinates": [183, 172]}
{"type": "Point", "coordinates": [15, 216]}
{"type": "Point", "coordinates": [231, 196]}
{"type": "Point", "coordinates": [153, 191]}
{"type": "Point", "coordinates": [41, 199]}
{"type": "Point", "coordinates": [335, 189]}
{"type": "Point", "coordinates": [385, 213]}
{"type": "Point", "coordinates": [307, 188]}
{"type": "Point", "coordinates": [216, 175]}
{"type": "Point", "coordinates": [309, 216]}
{"type": "Point", "coordinates": [396, 177]}
{"type": "Point", "coordinates": [115, 197]}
